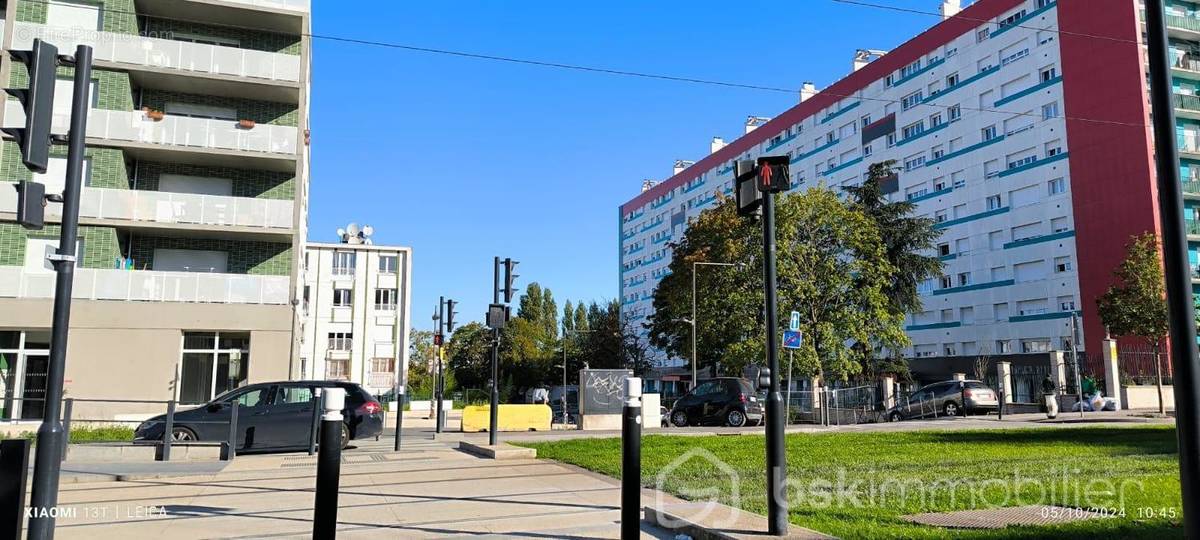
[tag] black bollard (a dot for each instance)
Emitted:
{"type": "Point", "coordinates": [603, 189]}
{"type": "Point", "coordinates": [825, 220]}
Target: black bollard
{"type": "Point", "coordinates": [399, 416]}
{"type": "Point", "coordinates": [631, 460]}
{"type": "Point", "coordinates": [329, 464]}
{"type": "Point", "coordinates": [14, 468]}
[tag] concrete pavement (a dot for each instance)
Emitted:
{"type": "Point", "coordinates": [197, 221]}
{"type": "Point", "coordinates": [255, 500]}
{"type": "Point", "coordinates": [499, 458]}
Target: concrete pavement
{"type": "Point", "coordinates": [426, 490]}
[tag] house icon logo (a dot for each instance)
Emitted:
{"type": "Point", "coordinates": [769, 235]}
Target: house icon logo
{"type": "Point", "coordinates": [705, 500]}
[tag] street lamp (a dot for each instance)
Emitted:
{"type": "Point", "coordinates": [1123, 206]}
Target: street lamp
{"type": "Point", "coordinates": [564, 367]}
{"type": "Point", "coordinates": [692, 322]}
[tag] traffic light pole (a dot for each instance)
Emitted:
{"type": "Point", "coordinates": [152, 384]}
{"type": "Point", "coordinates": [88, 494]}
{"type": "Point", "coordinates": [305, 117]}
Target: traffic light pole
{"type": "Point", "coordinates": [493, 411]}
{"type": "Point", "coordinates": [437, 386]}
{"type": "Point", "coordinates": [777, 513]}
{"type": "Point", "coordinates": [51, 439]}
{"type": "Point", "coordinates": [1177, 269]}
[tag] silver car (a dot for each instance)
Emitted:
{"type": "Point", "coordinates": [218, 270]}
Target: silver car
{"type": "Point", "coordinates": [946, 398]}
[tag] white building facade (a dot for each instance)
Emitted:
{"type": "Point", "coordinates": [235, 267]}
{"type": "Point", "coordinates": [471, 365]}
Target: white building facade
{"type": "Point", "coordinates": [1025, 144]}
{"type": "Point", "coordinates": [356, 305]}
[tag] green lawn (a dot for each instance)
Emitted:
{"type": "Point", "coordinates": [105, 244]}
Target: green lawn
{"type": "Point", "coordinates": [857, 485]}
{"type": "Point", "coordinates": [88, 434]}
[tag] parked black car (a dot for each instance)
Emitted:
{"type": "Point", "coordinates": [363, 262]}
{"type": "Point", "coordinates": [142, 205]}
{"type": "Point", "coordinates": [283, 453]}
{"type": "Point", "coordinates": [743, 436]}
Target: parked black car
{"type": "Point", "coordinates": [271, 416]}
{"type": "Point", "coordinates": [726, 401]}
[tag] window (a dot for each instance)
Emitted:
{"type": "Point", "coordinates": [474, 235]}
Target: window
{"type": "Point", "coordinates": [910, 101]}
{"type": "Point", "coordinates": [950, 350]}
{"type": "Point", "coordinates": [947, 282]}
{"type": "Point", "coordinates": [998, 273]}
{"type": "Point", "coordinates": [954, 112]}
{"type": "Point", "coordinates": [1048, 74]}
{"type": "Point", "coordinates": [1059, 224]}
{"type": "Point", "coordinates": [910, 69]}
{"type": "Point", "coordinates": [342, 298]}
{"type": "Point", "coordinates": [991, 168]}
{"type": "Point", "coordinates": [1035, 345]}
{"type": "Point", "coordinates": [988, 133]}
{"type": "Point", "coordinates": [866, 120]}
{"type": "Point", "coordinates": [939, 183]}
{"type": "Point", "coordinates": [964, 279]}
{"type": "Point", "coordinates": [943, 250]}
{"type": "Point", "coordinates": [343, 263]}
{"type": "Point", "coordinates": [1056, 186]}
{"type": "Point", "coordinates": [1011, 19]}
{"type": "Point", "coordinates": [294, 394]}
{"type": "Point", "coordinates": [958, 179]}
{"type": "Point", "coordinates": [385, 299]}
{"type": "Point", "coordinates": [337, 369]}
{"type": "Point", "coordinates": [951, 79]}
{"type": "Point", "coordinates": [1003, 346]}
{"type": "Point", "coordinates": [913, 129]}
{"type": "Point", "coordinates": [212, 363]}
{"type": "Point", "coordinates": [387, 264]}
{"type": "Point", "coordinates": [939, 216]}
{"type": "Point", "coordinates": [1050, 110]}
{"type": "Point", "coordinates": [1066, 303]}
{"type": "Point", "coordinates": [982, 35]}
{"type": "Point", "coordinates": [341, 341]}
{"type": "Point", "coordinates": [936, 153]}
{"type": "Point", "coordinates": [383, 365]}
{"type": "Point", "coordinates": [935, 119]}
{"type": "Point", "coordinates": [866, 151]}
{"type": "Point", "coordinates": [891, 140]}
{"type": "Point", "coordinates": [914, 162]}
{"type": "Point", "coordinates": [1062, 264]}
{"type": "Point", "coordinates": [1053, 148]}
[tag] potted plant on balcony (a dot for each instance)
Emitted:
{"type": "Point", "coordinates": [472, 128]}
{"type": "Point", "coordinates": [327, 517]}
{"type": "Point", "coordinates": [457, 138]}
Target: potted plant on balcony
{"type": "Point", "coordinates": [246, 124]}
{"type": "Point", "coordinates": [153, 114]}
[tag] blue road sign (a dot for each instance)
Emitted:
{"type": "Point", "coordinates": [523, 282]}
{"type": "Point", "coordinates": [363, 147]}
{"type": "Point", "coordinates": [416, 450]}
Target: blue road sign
{"type": "Point", "coordinates": [795, 324]}
{"type": "Point", "coordinates": [792, 340]}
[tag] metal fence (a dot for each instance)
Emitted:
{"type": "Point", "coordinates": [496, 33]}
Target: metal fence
{"type": "Point", "coordinates": [836, 406]}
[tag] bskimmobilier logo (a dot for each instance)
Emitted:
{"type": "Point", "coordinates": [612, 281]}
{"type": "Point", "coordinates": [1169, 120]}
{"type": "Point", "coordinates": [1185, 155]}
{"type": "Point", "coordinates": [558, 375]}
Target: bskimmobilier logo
{"type": "Point", "coordinates": [705, 500]}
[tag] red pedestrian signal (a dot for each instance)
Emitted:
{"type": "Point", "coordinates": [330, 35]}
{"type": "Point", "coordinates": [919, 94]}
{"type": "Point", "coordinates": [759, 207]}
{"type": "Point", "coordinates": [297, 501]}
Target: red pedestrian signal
{"type": "Point", "coordinates": [774, 174]}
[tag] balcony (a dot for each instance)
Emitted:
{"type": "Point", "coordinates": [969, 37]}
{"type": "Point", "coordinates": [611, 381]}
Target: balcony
{"type": "Point", "coordinates": [149, 286]}
{"type": "Point", "coordinates": [1193, 227]}
{"type": "Point", "coordinates": [1186, 25]}
{"type": "Point", "coordinates": [176, 131]}
{"type": "Point", "coordinates": [132, 50]}
{"type": "Point", "coordinates": [287, 5]}
{"type": "Point", "coordinates": [1188, 106]}
{"type": "Point", "coordinates": [173, 208]}
{"type": "Point", "coordinates": [1191, 188]}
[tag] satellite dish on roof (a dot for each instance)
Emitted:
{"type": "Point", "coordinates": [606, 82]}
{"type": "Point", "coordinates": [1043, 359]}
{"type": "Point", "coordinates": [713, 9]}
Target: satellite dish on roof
{"type": "Point", "coordinates": [352, 229]}
{"type": "Point", "coordinates": [368, 230]}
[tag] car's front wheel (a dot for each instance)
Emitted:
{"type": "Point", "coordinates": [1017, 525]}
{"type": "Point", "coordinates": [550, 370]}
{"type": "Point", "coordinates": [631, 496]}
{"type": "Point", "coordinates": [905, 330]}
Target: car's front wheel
{"type": "Point", "coordinates": [182, 434]}
{"type": "Point", "coordinates": [735, 418]}
{"type": "Point", "coordinates": [345, 436]}
{"type": "Point", "coordinates": [679, 418]}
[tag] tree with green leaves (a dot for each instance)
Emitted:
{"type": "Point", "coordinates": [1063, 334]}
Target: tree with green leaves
{"type": "Point", "coordinates": [833, 270]}
{"type": "Point", "coordinates": [469, 355]}
{"type": "Point", "coordinates": [729, 299]}
{"type": "Point", "coordinates": [1136, 305]}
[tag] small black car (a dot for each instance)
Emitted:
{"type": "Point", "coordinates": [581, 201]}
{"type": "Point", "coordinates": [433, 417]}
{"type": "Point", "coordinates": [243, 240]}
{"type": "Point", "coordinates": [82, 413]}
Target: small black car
{"type": "Point", "coordinates": [271, 415]}
{"type": "Point", "coordinates": [726, 401]}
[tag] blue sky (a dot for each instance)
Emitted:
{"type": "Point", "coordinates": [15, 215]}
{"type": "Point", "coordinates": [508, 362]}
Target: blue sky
{"type": "Point", "coordinates": [464, 159]}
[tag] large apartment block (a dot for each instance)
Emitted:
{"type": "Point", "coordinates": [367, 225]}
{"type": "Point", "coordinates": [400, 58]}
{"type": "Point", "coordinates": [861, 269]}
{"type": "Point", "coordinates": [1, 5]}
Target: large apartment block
{"type": "Point", "coordinates": [1019, 126]}
{"type": "Point", "coordinates": [194, 203]}
{"type": "Point", "coordinates": [357, 301]}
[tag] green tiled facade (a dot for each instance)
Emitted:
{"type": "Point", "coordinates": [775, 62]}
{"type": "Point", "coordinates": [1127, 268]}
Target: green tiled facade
{"type": "Point", "coordinates": [107, 166]}
{"type": "Point", "coordinates": [246, 183]}
{"type": "Point", "coordinates": [247, 39]}
{"type": "Point", "coordinates": [245, 257]}
{"type": "Point", "coordinates": [262, 112]}
{"type": "Point", "coordinates": [117, 16]}
{"type": "Point", "coordinates": [113, 89]}
{"type": "Point", "coordinates": [100, 246]}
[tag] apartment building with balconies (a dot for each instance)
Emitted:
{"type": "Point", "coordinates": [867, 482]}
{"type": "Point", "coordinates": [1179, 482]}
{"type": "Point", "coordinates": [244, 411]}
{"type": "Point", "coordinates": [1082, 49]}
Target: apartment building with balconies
{"type": "Point", "coordinates": [356, 304]}
{"type": "Point", "coordinates": [1019, 126]}
{"type": "Point", "coordinates": [194, 206]}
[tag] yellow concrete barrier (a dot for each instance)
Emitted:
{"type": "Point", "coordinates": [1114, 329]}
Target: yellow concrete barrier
{"type": "Point", "coordinates": [476, 418]}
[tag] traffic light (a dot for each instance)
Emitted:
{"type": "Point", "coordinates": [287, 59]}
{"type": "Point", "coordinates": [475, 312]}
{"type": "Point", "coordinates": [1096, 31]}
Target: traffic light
{"type": "Point", "coordinates": [31, 205]}
{"type": "Point", "coordinates": [764, 378]}
{"type": "Point", "coordinates": [774, 174]}
{"type": "Point", "coordinates": [498, 315]}
{"type": "Point", "coordinates": [746, 192]}
{"type": "Point", "coordinates": [38, 102]}
{"type": "Point", "coordinates": [437, 340]}
{"type": "Point", "coordinates": [510, 277]}
{"type": "Point", "coordinates": [450, 305]}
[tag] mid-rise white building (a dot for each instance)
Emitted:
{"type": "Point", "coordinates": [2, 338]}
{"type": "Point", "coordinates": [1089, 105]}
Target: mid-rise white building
{"type": "Point", "coordinates": [356, 313]}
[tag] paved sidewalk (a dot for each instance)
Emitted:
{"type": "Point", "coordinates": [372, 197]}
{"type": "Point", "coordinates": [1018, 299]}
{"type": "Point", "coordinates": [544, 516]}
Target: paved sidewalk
{"type": "Point", "coordinates": [426, 490]}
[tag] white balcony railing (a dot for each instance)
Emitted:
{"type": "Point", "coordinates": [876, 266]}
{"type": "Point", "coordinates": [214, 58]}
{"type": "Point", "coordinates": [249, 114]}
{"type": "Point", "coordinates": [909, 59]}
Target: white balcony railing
{"type": "Point", "coordinates": [167, 53]}
{"type": "Point", "coordinates": [183, 131]}
{"type": "Point", "coordinates": [290, 5]}
{"type": "Point", "coordinates": [149, 286]}
{"type": "Point", "coordinates": [180, 208]}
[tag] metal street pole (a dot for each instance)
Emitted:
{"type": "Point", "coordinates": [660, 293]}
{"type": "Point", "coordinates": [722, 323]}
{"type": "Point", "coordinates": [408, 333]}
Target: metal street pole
{"type": "Point", "coordinates": [493, 411]}
{"type": "Point", "coordinates": [695, 326]}
{"type": "Point", "coordinates": [777, 513]}
{"type": "Point", "coordinates": [1175, 259]}
{"type": "Point", "coordinates": [1075, 361]}
{"type": "Point", "coordinates": [51, 438]}
{"type": "Point", "coordinates": [437, 383]}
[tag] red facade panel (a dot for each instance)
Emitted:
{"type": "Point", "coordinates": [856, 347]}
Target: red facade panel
{"type": "Point", "coordinates": [1108, 137]}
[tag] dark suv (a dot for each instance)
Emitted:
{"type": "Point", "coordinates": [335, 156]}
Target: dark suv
{"type": "Point", "coordinates": [726, 401]}
{"type": "Point", "coordinates": [271, 415]}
